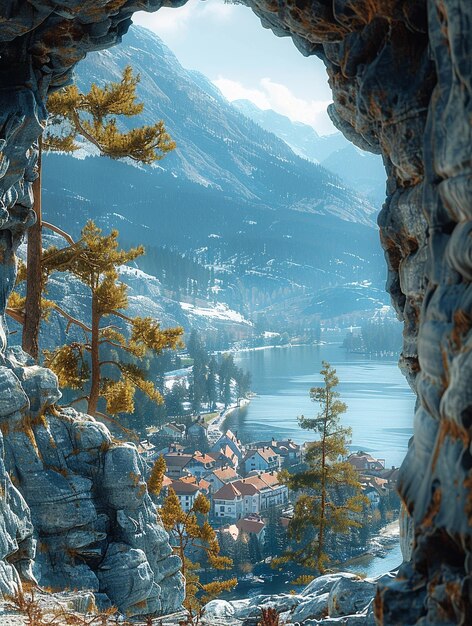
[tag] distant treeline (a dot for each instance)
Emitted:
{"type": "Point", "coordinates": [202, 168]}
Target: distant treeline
{"type": "Point", "coordinates": [375, 337]}
{"type": "Point", "coordinates": [180, 273]}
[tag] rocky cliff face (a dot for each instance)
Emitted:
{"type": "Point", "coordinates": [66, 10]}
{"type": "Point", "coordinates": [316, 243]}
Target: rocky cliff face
{"type": "Point", "coordinates": [401, 78]}
{"type": "Point", "coordinates": [89, 522]}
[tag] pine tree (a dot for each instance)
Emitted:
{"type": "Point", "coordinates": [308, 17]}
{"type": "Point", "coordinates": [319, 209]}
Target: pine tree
{"type": "Point", "coordinates": [95, 260]}
{"type": "Point", "coordinates": [329, 493]}
{"type": "Point", "coordinates": [211, 384]}
{"type": "Point", "coordinates": [191, 531]}
{"type": "Point", "coordinates": [93, 116]}
{"type": "Point", "coordinates": [275, 540]}
{"type": "Point", "coordinates": [156, 477]}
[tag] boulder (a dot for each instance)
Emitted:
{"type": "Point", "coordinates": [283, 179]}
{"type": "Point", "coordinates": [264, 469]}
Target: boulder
{"type": "Point", "coordinates": [313, 607]}
{"type": "Point", "coordinates": [12, 396]}
{"type": "Point", "coordinates": [126, 577]}
{"type": "Point", "coordinates": [324, 584]}
{"type": "Point", "coordinates": [217, 610]}
{"type": "Point", "coordinates": [250, 609]}
{"type": "Point", "coordinates": [122, 481]}
{"type": "Point", "coordinates": [40, 385]}
{"type": "Point", "coordinates": [349, 596]}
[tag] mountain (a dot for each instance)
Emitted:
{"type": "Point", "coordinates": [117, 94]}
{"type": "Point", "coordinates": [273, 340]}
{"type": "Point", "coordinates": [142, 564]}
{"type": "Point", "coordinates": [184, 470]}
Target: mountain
{"type": "Point", "coordinates": [302, 138]}
{"type": "Point", "coordinates": [269, 227]}
{"type": "Point", "coordinates": [360, 170]}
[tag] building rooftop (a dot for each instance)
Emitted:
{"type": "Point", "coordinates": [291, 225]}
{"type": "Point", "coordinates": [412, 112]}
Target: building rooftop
{"type": "Point", "coordinates": [182, 487]}
{"type": "Point", "coordinates": [177, 459]}
{"type": "Point", "coordinates": [250, 525]}
{"type": "Point", "coordinates": [266, 452]}
{"type": "Point", "coordinates": [226, 474]}
{"type": "Point", "coordinates": [227, 492]}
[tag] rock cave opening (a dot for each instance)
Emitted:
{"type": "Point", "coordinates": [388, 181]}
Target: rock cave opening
{"type": "Point", "coordinates": [401, 79]}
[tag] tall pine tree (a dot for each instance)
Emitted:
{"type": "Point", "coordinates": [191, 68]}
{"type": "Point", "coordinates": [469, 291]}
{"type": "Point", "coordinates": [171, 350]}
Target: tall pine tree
{"type": "Point", "coordinates": [95, 260]}
{"type": "Point", "coordinates": [190, 532]}
{"type": "Point", "coordinates": [329, 496]}
{"type": "Point", "coordinates": [93, 117]}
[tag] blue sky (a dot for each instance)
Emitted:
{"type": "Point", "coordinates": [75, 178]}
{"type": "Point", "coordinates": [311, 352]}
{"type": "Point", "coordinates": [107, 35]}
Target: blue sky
{"type": "Point", "coordinates": [228, 44]}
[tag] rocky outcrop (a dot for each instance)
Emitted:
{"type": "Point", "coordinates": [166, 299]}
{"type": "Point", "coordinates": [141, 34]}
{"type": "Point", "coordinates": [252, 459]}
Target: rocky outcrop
{"type": "Point", "coordinates": [332, 599]}
{"type": "Point", "coordinates": [89, 523]}
{"type": "Point", "coordinates": [401, 78]}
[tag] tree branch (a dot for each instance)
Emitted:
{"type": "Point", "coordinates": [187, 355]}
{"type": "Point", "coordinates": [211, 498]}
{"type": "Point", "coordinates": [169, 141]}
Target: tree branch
{"type": "Point", "coordinates": [16, 315]}
{"type": "Point", "coordinates": [83, 131]}
{"type": "Point", "coordinates": [110, 363]}
{"type": "Point", "coordinates": [130, 433]}
{"type": "Point", "coordinates": [122, 315]}
{"type": "Point", "coordinates": [59, 231]}
{"type": "Point", "coordinates": [70, 319]}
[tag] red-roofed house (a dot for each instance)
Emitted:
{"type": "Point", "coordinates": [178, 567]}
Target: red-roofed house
{"type": "Point", "coordinates": [272, 491]}
{"type": "Point", "coordinates": [362, 461]}
{"type": "Point", "coordinates": [228, 503]}
{"type": "Point", "coordinates": [201, 483]}
{"type": "Point", "coordinates": [220, 476]}
{"type": "Point", "coordinates": [252, 525]}
{"type": "Point", "coordinates": [225, 456]}
{"type": "Point", "coordinates": [231, 440]}
{"type": "Point", "coordinates": [200, 464]}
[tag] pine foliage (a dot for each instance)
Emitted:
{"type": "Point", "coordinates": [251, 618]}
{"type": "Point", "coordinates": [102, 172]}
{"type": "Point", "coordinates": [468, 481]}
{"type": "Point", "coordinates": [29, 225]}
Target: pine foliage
{"type": "Point", "coordinates": [93, 115]}
{"type": "Point", "coordinates": [330, 500]}
{"type": "Point", "coordinates": [190, 532]}
{"type": "Point", "coordinates": [156, 477]}
{"type": "Point", "coordinates": [95, 260]}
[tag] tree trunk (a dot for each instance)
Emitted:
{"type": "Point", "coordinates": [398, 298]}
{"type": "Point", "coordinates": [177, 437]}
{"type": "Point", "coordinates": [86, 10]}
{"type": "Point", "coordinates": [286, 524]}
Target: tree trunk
{"type": "Point", "coordinates": [30, 337]}
{"type": "Point", "coordinates": [95, 356]}
{"type": "Point", "coordinates": [323, 485]}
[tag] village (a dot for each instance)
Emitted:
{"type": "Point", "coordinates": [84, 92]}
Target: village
{"type": "Point", "coordinates": [241, 481]}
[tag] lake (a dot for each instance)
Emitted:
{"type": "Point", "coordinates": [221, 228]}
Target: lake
{"type": "Point", "coordinates": [380, 402]}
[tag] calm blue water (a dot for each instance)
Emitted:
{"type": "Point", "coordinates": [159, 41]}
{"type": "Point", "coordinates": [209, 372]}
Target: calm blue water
{"type": "Point", "coordinates": [380, 403]}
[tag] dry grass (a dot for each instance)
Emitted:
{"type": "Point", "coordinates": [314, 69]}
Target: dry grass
{"type": "Point", "coordinates": [29, 603]}
{"type": "Point", "coordinates": [270, 617]}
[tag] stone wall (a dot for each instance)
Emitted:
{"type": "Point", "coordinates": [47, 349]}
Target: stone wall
{"type": "Point", "coordinates": [401, 76]}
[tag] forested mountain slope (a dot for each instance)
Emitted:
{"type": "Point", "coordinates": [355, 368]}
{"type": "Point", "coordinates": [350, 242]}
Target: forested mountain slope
{"type": "Point", "coordinates": [270, 227]}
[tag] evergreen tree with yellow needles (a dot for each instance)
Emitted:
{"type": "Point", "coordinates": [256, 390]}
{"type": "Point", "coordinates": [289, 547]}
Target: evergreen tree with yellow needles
{"type": "Point", "coordinates": [92, 116]}
{"type": "Point", "coordinates": [156, 478]}
{"type": "Point", "coordinates": [95, 260]}
{"type": "Point", "coordinates": [330, 498]}
{"type": "Point", "coordinates": [191, 531]}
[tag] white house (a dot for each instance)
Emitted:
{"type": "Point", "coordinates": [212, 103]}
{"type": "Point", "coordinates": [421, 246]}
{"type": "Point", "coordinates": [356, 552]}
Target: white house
{"type": "Point", "coordinates": [177, 463]}
{"type": "Point", "coordinates": [174, 431]}
{"type": "Point", "coordinates": [198, 432]}
{"type": "Point", "coordinates": [249, 496]}
{"type": "Point", "coordinates": [272, 492]}
{"type": "Point", "coordinates": [200, 464]}
{"type": "Point", "coordinates": [186, 492]}
{"type": "Point", "coordinates": [228, 503]}
{"type": "Point", "coordinates": [262, 459]}
{"type": "Point", "coordinates": [221, 476]}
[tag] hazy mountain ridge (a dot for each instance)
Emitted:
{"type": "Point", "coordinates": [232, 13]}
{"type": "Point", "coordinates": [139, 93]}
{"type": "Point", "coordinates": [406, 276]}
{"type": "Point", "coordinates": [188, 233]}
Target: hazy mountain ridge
{"type": "Point", "coordinates": [360, 170]}
{"type": "Point", "coordinates": [233, 196]}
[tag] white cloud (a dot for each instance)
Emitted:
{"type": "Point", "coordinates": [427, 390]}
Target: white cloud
{"type": "Point", "coordinates": [272, 95]}
{"type": "Point", "coordinates": [168, 22]}
{"type": "Point", "coordinates": [232, 90]}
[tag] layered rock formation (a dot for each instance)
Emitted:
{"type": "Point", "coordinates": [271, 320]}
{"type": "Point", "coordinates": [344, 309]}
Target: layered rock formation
{"type": "Point", "coordinates": [402, 80]}
{"type": "Point", "coordinates": [89, 522]}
